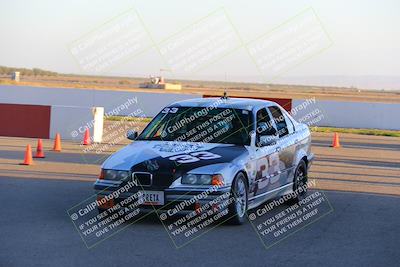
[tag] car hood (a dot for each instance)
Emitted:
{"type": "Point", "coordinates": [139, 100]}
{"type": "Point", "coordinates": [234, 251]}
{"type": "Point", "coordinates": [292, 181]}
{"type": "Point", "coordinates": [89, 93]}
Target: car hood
{"type": "Point", "coordinates": [154, 155]}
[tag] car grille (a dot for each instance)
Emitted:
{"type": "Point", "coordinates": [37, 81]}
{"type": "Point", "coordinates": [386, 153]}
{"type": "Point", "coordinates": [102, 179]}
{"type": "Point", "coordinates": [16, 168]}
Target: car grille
{"type": "Point", "coordinates": [143, 178]}
{"type": "Point", "coordinates": [160, 179]}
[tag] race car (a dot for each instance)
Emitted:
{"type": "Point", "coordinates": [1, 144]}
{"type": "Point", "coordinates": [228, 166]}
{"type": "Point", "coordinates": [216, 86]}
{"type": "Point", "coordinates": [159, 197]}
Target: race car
{"type": "Point", "coordinates": [251, 150]}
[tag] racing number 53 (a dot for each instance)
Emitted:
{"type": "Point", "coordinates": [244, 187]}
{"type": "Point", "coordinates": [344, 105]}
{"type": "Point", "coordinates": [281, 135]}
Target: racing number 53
{"type": "Point", "coordinates": [195, 156]}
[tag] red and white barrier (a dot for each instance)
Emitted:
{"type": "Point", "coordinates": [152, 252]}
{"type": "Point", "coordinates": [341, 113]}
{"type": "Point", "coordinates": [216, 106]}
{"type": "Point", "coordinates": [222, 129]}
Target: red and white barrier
{"type": "Point", "coordinates": [25, 120]}
{"type": "Point", "coordinates": [39, 121]}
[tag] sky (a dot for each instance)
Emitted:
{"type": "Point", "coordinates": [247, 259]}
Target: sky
{"type": "Point", "coordinates": [356, 38]}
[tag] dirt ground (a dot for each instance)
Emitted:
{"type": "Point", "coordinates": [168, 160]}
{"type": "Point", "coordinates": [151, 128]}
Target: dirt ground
{"type": "Point", "coordinates": [211, 88]}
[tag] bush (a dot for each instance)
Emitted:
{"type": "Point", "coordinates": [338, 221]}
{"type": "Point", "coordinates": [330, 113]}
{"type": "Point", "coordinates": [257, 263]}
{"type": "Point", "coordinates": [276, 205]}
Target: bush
{"type": "Point", "coordinates": [124, 82]}
{"type": "Point", "coordinates": [24, 71]}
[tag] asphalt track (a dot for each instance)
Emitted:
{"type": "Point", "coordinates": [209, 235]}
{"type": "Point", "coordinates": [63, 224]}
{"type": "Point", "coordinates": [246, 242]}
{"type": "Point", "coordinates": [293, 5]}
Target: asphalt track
{"type": "Point", "coordinates": [360, 180]}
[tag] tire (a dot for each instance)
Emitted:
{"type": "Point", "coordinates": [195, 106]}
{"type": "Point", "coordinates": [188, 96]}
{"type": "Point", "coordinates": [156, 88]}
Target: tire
{"type": "Point", "coordinates": [100, 210]}
{"type": "Point", "coordinates": [299, 181]}
{"type": "Point", "coordinates": [238, 208]}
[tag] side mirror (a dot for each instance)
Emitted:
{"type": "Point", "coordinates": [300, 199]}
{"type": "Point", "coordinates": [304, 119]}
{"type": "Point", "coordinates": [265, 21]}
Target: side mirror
{"type": "Point", "coordinates": [253, 138]}
{"type": "Point", "coordinates": [131, 135]}
{"type": "Point", "coordinates": [268, 140]}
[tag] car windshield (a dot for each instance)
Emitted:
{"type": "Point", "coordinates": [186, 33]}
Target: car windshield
{"type": "Point", "coordinates": [200, 124]}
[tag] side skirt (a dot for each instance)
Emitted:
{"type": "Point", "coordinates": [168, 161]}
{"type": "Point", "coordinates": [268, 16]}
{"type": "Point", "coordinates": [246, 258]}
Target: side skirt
{"type": "Point", "coordinates": [280, 191]}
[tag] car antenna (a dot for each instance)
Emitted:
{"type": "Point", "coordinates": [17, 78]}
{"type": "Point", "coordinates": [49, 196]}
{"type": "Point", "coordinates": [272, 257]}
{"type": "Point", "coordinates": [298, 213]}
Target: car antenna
{"type": "Point", "coordinates": [225, 96]}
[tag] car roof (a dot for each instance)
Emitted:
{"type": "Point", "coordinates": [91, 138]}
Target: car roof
{"type": "Point", "coordinates": [236, 103]}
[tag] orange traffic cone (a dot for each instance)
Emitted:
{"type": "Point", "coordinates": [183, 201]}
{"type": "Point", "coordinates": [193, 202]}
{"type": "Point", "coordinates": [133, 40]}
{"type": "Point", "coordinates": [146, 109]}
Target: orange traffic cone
{"type": "Point", "coordinates": [39, 150]}
{"type": "Point", "coordinates": [28, 156]}
{"type": "Point", "coordinates": [57, 143]}
{"type": "Point", "coordinates": [86, 138]}
{"type": "Point", "coordinates": [335, 143]}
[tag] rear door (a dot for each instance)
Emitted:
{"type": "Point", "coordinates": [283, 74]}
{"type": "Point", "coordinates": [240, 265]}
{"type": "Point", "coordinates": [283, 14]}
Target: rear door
{"type": "Point", "coordinates": [285, 145]}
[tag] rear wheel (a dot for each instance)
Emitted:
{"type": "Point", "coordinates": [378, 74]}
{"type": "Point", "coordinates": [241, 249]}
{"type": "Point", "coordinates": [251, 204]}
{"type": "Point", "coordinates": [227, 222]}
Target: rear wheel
{"type": "Point", "coordinates": [300, 182]}
{"type": "Point", "coordinates": [239, 193]}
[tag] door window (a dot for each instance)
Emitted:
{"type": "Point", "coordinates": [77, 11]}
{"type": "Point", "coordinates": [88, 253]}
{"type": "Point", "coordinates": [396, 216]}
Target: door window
{"type": "Point", "coordinates": [280, 121]}
{"type": "Point", "coordinates": [265, 126]}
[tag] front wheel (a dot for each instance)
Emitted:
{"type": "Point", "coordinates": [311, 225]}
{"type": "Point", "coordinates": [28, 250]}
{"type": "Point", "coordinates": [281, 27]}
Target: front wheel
{"type": "Point", "coordinates": [239, 193]}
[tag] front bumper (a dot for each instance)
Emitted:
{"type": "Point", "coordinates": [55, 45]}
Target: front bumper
{"type": "Point", "coordinates": [172, 196]}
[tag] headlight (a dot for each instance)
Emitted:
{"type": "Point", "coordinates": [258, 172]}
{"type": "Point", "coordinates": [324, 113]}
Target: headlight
{"type": "Point", "coordinates": [202, 179]}
{"type": "Point", "coordinates": [115, 175]}
{"type": "Point", "coordinates": [189, 179]}
{"type": "Point", "coordinates": [205, 179]}
{"type": "Point", "coordinates": [110, 175]}
{"type": "Point", "coordinates": [122, 175]}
